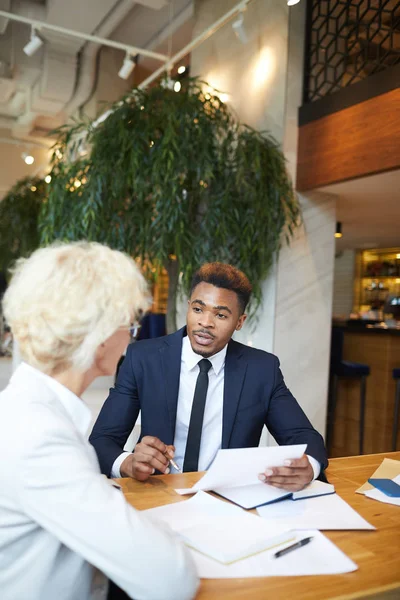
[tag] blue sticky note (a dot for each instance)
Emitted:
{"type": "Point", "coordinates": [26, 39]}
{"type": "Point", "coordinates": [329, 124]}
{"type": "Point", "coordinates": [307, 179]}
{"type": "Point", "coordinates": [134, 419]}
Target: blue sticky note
{"type": "Point", "coordinates": [387, 486]}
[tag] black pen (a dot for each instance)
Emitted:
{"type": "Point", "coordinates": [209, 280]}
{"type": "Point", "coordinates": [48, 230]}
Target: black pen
{"type": "Point", "coordinates": [293, 547]}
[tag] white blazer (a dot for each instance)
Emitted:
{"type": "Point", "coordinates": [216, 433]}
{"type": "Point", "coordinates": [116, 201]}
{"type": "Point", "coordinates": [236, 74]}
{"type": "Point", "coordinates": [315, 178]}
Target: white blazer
{"type": "Point", "coordinates": [58, 514]}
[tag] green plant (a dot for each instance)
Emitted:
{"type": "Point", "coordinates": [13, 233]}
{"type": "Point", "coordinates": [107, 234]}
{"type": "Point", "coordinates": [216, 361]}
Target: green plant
{"type": "Point", "coordinates": [176, 181]}
{"type": "Point", "coordinates": [19, 214]}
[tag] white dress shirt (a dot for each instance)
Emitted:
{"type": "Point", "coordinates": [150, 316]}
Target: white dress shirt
{"type": "Point", "coordinates": [211, 436]}
{"type": "Point", "coordinates": [59, 517]}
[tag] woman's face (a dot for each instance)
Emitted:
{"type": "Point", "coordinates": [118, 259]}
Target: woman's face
{"type": "Point", "coordinates": [111, 351]}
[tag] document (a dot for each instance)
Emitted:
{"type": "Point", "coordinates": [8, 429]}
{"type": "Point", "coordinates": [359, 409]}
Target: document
{"type": "Point", "coordinates": [219, 530]}
{"type": "Point", "coordinates": [241, 466]}
{"type": "Point", "coordinates": [319, 557]}
{"type": "Point", "coordinates": [388, 469]}
{"type": "Point", "coordinates": [324, 513]}
{"type": "Point", "coordinates": [189, 519]}
{"type": "Point", "coordinates": [379, 495]}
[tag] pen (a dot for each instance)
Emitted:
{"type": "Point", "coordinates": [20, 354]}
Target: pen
{"type": "Point", "coordinates": [173, 463]}
{"type": "Point", "coordinates": [298, 544]}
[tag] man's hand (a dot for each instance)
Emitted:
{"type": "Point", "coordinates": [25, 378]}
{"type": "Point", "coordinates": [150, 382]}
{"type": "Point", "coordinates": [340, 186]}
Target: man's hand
{"type": "Point", "coordinates": [293, 477]}
{"type": "Point", "coordinates": [149, 455]}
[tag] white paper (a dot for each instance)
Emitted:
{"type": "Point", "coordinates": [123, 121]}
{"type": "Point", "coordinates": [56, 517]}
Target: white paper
{"type": "Point", "coordinates": [319, 557]}
{"type": "Point", "coordinates": [220, 530]}
{"type": "Point", "coordinates": [381, 497]}
{"type": "Point", "coordinates": [323, 512]}
{"type": "Point", "coordinates": [229, 539]}
{"type": "Point", "coordinates": [241, 466]}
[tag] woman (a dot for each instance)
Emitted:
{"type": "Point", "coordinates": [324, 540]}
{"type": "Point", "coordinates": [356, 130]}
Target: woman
{"type": "Point", "coordinates": [71, 307]}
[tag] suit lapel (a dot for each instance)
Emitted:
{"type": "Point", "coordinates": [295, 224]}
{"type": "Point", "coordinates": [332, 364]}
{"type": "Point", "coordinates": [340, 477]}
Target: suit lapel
{"type": "Point", "coordinates": [170, 354]}
{"type": "Point", "coordinates": [235, 370]}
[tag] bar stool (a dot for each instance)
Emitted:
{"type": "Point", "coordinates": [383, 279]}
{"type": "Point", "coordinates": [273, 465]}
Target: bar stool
{"type": "Point", "coordinates": [396, 376]}
{"type": "Point", "coordinates": [346, 369]}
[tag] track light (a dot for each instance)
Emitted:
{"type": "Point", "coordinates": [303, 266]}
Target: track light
{"type": "Point", "coordinates": [47, 178]}
{"type": "Point", "coordinates": [127, 66]}
{"type": "Point", "coordinates": [338, 232]}
{"type": "Point", "coordinates": [28, 158]}
{"type": "Point", "coordinates": [177, 86]}
{"type": "Point", "coordinates": [238, 28]}
{"type": "Point", "coordinates": [34, 43]}
{"type": "Point", "coordinates": [181, 70]}
{"type": "Point", "coordinates": [292, 2]}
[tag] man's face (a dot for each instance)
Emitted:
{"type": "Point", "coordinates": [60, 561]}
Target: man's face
{"type": "Point", "coordinates": [212, 317]}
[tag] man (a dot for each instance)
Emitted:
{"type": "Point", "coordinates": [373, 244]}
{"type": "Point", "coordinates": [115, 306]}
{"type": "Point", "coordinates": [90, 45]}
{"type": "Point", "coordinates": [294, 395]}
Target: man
{"type": "Point", "coordinates": [199, 391]}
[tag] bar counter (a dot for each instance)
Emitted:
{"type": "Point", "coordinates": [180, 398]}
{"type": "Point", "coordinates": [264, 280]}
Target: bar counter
{"type": "Point", "coordinates": [380, 349]}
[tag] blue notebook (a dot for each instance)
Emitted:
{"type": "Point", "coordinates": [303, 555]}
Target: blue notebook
{"type": "Point", "coordinates": [259, 494]}
{"type": "Point", "coordinates": [387, 486]}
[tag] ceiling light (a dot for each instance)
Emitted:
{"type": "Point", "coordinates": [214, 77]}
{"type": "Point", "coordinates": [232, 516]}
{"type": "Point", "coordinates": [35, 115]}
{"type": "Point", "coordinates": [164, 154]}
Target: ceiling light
{"type": "Point", "coordinates": [28, 158]}
{"type": "Point", "coordinates": [47, 178]}
{"type": "Point", "coordinates": [181, 69]}
{"type": "Point", "coordinates": [338, 232]}
{"type": "Point", "coordinates": [292, 2]}
{"type": "Point", "coordinates": [177, 86]}
{"type": "Point", "coordinates": [238, 28]}
{"type": "Point", "coordinates": [34, 43]}
{"type": "Point", "coordinates": [127, 67]}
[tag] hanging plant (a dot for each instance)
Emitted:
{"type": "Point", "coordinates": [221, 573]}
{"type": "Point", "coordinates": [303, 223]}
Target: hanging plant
{"type": "Point", "coordinates": [175, 180]}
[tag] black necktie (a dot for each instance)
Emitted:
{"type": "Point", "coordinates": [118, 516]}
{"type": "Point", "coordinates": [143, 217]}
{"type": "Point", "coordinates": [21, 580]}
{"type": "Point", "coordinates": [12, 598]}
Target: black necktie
{"type": "Point", "coordinates": [196, 418]}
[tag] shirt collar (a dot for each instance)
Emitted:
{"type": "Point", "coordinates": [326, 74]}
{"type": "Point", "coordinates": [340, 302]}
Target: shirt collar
{"type": "Point", "coordinates": [191, 359]}
{"type": "Point", "coordinates": [76, 409]}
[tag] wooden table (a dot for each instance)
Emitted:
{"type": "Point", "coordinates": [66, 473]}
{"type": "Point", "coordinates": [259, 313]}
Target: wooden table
{"type": "Point", "coordinates": [377, 553]}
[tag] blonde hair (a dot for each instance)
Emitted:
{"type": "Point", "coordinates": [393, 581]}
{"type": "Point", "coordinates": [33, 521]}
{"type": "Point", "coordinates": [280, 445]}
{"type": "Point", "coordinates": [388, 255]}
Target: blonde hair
{"type": "Point", "coordinates": [67, 299]}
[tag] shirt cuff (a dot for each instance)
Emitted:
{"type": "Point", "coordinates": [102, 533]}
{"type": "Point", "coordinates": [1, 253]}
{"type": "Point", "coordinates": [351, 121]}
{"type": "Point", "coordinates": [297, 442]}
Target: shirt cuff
{"type": "Point", "coordinates": [115, 472]}
{"type": "Point", "coordinates": [316, 466]}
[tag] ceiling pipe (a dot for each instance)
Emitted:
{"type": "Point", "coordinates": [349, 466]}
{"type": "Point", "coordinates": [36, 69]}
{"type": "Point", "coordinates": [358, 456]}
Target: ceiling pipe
{"type": "Point", "coordinates": [87, 76]}
{"type": "Point", "coordinates": [42, 25]}
{"type": "Point", "coordinates": [238, 8]}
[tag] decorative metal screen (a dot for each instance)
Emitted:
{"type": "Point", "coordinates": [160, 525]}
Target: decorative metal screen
{"type": "Point", "coordinates": [347, 42]}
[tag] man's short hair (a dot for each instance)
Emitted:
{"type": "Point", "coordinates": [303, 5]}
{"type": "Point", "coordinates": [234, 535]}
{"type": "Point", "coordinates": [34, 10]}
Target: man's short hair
{"type": "Point", "coordinates": [227, 277]}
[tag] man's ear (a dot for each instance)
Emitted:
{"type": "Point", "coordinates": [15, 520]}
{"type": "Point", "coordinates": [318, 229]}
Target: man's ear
{"type": "Point", "coordinates": [240, 322]}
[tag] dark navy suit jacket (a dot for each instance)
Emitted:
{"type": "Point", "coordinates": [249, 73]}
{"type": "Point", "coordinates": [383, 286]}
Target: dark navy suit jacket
{"type": "Point", "coordinates": [255, 395]}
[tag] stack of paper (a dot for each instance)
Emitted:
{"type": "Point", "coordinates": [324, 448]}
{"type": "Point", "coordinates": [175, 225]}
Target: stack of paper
{"type": "Point", "coordinates": [219, 530]}
{"type": "Point", "coordinates": [388, 469]}
{"type": "Point", "coordinates": [224, 536]}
